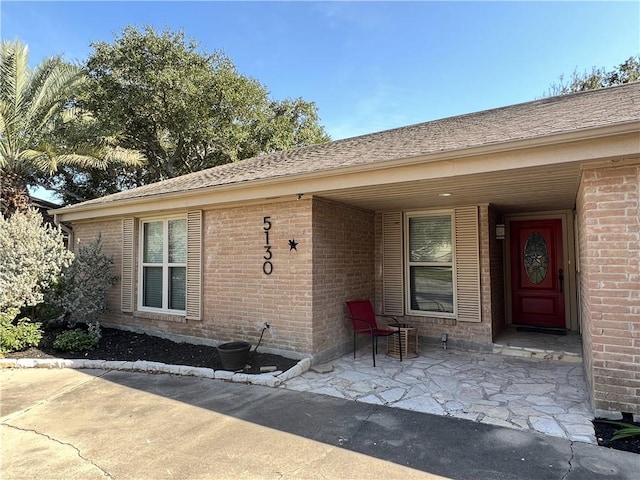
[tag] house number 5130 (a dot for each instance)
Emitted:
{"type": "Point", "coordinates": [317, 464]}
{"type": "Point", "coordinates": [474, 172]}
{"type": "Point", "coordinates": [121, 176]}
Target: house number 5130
{"type": "Point", "coordinates": [267, 266]}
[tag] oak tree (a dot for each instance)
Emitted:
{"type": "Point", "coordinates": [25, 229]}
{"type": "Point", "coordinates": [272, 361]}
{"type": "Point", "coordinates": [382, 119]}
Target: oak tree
{"type": "Point", "coordinates": [183, 108]}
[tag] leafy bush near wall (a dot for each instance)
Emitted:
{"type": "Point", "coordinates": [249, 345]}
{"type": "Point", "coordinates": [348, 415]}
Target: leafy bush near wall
{"type": "Point", "coordinates": [82, 293]}
{"type": "Point", "coordinates": [32, 257]}
{"type": "Point", "coordinates": [78, 340]}
{"type": "Point", "coordinates": [24, 333]}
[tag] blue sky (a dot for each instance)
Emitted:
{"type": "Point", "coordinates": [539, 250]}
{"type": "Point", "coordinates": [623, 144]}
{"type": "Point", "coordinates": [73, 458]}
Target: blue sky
{"type": "Point", "coordinates": [368, 66]}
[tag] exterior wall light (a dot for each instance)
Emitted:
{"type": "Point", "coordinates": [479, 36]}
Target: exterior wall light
{"type": "Point", "coordinates": [500, 231]}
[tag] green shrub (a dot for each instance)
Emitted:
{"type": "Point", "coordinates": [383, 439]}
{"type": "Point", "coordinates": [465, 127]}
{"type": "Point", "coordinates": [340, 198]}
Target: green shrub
{"type": "Point", "coordinates": [19, 335]}
{"type": "Point", "coordinates": [32, 257]}
{"type": "Point", "coordinates": [78, 340]}
{"type": "Point", "coordinates": [82, 293]}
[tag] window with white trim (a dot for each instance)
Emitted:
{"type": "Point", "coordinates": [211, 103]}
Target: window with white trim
{"type": "Point", "coordinates": [163, 269]}
{"type": "Point", "coordinates": [430, 259]}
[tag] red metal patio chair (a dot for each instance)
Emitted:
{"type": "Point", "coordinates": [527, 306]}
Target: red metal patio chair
{"type": "Point", "coordinates": [364, 322]}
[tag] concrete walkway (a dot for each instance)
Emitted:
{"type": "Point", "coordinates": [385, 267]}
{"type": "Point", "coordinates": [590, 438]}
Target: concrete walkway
{"type": "Point", "coordinates": [546, 396]}
{"type": "Point", "coordinates": [105, 424]}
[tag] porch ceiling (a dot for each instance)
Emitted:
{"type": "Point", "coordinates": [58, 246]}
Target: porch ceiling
{"type": "Point", "coordinates": [552, 187]}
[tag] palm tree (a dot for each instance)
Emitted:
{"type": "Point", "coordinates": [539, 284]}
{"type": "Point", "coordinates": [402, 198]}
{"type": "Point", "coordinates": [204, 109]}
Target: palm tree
{"type": "Point", "coordinates": [41, 129]}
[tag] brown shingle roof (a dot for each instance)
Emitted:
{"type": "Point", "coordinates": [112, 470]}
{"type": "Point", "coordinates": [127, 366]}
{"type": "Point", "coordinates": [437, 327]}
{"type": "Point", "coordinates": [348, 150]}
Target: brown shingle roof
{"type": "Point", "coordinates": [540, 118]}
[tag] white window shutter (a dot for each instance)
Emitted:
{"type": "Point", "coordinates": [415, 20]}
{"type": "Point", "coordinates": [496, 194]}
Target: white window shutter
{"type": "Point", "coordinates": [467, 264]}
{"type": "Point", "coordinates": [392, 266]}
{"type": "Point", "coordinates": [194, 265]}
{"type": "Point", "coordinates": [127, 274]}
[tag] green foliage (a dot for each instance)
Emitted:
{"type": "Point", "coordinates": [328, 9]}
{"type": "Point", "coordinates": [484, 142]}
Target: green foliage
{"type": "Point", "coordinates": [40, 126]}
{"type": "Point", "coordinates": [73, 185]}
{"type": "Point", "coordinates": [184, 109]}
{"type": "Point", "coordinates": [15, 336]}
{"type": "Point", "coordinates": [628, 430]}
{"type": "Point", "coordinates": [32, 257]}
{"type": "Point", "coordinates": [626, 72]}
{"type": "Point", "coordinates": [78, 340]}
{"type": "Point", "coordinates": [82, 293]}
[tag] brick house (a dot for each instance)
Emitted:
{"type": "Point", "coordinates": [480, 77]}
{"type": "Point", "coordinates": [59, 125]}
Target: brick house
{"type": "Point", "coordinates": [525, 215]}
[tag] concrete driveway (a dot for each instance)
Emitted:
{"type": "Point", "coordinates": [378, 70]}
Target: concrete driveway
{"type": "Point", "coordinates": [86, 424]}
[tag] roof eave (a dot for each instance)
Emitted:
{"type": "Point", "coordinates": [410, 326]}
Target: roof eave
{"type": "Point", "coordinates": [180, 199]}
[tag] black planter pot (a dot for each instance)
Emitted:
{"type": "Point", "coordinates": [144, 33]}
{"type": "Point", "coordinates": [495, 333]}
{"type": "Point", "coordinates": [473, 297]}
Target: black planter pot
{"type": "Point", "coordinates": [234, 355]}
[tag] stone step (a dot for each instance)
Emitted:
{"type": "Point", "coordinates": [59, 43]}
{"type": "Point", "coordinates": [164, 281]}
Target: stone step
{"type": "Point", "coordinates": [530, 352]}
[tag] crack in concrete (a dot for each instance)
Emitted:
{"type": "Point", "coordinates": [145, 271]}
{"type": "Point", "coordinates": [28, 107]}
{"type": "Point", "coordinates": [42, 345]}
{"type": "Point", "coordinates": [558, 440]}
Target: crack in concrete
{"type": "Point", "coordinates": [48, 437]}
{"type": "Point", "coordinates": [570, 462]}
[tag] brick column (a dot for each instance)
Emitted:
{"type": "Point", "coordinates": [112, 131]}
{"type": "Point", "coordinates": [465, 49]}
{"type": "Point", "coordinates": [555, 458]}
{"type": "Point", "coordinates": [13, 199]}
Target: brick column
{"type": "Point", "coordinates": [609, 255]}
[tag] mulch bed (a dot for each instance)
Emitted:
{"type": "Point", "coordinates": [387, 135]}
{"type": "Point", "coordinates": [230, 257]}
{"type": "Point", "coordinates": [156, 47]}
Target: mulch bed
{"type": "Point", "coordinates": [123, 345]}
{"type": "Point", "coordinates": [604, 432]}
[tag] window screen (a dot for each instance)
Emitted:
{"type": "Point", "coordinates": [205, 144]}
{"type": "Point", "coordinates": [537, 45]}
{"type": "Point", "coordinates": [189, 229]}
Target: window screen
{"type": "Point", "coordinates": [164, 261]}
{"type": "Point", "coordinates": [430, 263]}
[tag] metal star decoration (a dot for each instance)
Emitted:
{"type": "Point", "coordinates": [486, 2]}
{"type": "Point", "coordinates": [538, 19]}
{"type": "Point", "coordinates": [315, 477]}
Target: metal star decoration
{"type": "Point", "coordinates": [293, 244]}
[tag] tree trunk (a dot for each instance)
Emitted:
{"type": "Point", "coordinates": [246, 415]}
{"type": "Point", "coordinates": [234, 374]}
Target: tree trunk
{"type": "Point", "coordinates": [14, 196]}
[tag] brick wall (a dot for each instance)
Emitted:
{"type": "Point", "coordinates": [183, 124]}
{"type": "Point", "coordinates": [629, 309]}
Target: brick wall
{"type": "Point", "coordinates": [238, 296]}
{"type": "Point", "coordinates": [609, 255]}
{"type": "Point", "coordinates": [303, 299]}
{"type": "Point", "coordinates": [343, 269]}
{"type": "Point", "coordinates": [481, 332]}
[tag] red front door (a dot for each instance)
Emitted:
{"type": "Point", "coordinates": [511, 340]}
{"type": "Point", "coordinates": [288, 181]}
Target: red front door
{"type": "Point", "coordinates": [537, 276]}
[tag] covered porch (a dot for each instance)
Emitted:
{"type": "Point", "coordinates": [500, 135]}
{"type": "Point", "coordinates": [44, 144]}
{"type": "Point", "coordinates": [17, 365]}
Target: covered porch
{"type": "Point", "coordinates": [575, 186]}
{"type": "Point", "coordinates": [492, 372]}
{"type": "Point", "coordinates": [480, 307]}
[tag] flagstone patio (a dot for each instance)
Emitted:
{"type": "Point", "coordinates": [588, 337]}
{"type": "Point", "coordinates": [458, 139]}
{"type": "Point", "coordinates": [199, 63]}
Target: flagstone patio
{"type": "Point", "coordinates": [547, 396]}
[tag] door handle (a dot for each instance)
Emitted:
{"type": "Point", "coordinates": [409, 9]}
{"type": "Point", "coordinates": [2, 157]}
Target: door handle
{"type": "Point", "coordinates": [561, 278]}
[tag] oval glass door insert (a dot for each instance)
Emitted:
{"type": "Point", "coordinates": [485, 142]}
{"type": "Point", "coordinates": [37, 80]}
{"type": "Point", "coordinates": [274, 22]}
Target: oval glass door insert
{"type": "Point", "coordinates": [536, 258]}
